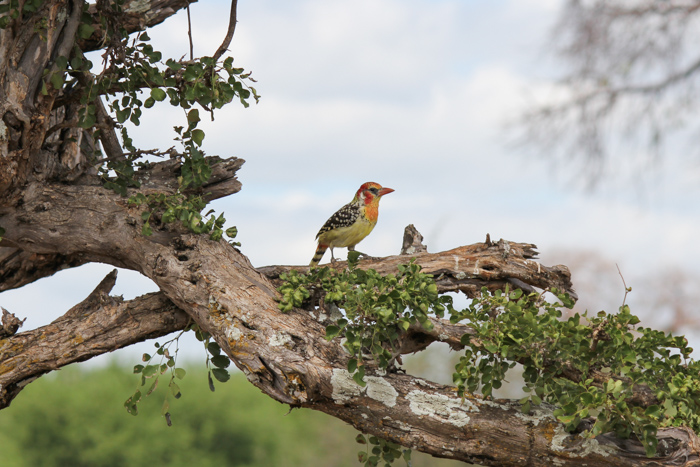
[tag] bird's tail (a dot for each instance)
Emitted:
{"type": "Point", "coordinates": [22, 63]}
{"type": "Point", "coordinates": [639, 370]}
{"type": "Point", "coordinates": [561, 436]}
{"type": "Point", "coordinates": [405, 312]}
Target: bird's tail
{"type": "Point", "coordinates": [320, 250]}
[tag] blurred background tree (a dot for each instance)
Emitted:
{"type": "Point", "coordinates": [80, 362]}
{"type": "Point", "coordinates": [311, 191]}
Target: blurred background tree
{"type": "Point", "coordinates": [54, 424]}
{"type": "Point", "coordinates": [629, 82]}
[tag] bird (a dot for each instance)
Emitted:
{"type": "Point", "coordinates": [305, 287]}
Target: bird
{"type": "Point", "coordinates": [351, 223]}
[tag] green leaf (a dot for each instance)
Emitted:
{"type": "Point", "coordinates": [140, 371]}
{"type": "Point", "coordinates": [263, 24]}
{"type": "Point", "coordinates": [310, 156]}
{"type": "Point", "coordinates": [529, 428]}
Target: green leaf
{"type": "Point", "coordinates": [653, 411]}
{"type": "Point", "coordinates": [61, 62]}
{"type": "Point", "coordinates": [146, 230]}
{"type": "Point", "coordinates": [566, 419]}
{"type": "Point", "coordinates": [158, 94]}
{"type": "Point", "coordinates": [221, 361]}
{"type": "Point", "coordinates": [153, 387]}
{"type": "Point", "coordinates": [173, 65]}
{"type": "Point", "coordinates": [211, 382]}
{"type": "Point", "coordinates": [85, 30]}
{"type": "Point", "coordinates": [57, 80]}
{"type": "Point", "coordinates": [332, 331]}
{"type": "Point", "coordinates": [214, 349]}
{"type": "Point", "coordinates": [193, 116]}
{"type": "Point", "coordinates": [220, 374]}
{"type": "Point", "coordinates": [526, 407]}
{"type": "Point", "coordinates": [123, 115]}
{"type": "Point", "coordinates": [179, 373]}
{"type": "Point", "coordinates": [76, 63]}
{"type": "Point", "coordinates": [198, 136]}
{"type": "Point", "coordinates": [175, 389]}
{"type": "Point", "coordinates": [359, 376]}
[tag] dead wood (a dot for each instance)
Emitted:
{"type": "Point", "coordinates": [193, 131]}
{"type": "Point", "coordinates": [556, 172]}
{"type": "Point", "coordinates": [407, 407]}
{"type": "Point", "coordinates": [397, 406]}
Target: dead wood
{"type": "Point", "coordinates": [468, 268]}
{"type": "Point", "coordinates": [99, 324]}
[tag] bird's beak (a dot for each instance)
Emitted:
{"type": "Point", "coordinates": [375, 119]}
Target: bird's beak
{"type": "Point", "coordinates": [385, 191]}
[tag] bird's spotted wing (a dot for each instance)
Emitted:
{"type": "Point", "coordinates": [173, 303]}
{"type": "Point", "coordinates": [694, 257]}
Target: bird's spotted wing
{"type": "Point", "coordinates": [344, 217]}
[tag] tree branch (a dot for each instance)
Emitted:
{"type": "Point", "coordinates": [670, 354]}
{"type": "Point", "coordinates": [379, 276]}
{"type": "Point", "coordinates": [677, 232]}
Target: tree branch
{"type": "Point", "coordinates": [97, 325]}
{"type": "Point", "coordinates": [18, 268]}
{"type": "Point", "coordinates": [468, 268]}
{"type": "Point", "coordinates": [161, 177]}
{"type": "Point", "coordinates": [229, 33]}
{"type": "Point", "coordinates": [137, 15]}
{"type": "Point", "coordinates": [286, 355]}
{"type": "Point", "coordinates": [10, 324]}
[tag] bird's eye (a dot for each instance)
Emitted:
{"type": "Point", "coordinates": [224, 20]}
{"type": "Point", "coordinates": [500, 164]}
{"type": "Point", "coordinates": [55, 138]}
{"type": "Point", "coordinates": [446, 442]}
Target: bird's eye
{"type": "Point", "coordinates": [374, 190]}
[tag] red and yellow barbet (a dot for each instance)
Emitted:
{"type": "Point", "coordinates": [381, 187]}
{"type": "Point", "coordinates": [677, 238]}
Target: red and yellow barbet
{"type": "Point", "coordinates": [351, 223]}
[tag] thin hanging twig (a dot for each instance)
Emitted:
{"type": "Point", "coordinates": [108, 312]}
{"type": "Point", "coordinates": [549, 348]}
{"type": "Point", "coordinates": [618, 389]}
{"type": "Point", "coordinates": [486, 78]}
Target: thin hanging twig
{"type": "Point", "coordinates": [229, 34]}
{"type": "Point", "coordinates": [189, 31]}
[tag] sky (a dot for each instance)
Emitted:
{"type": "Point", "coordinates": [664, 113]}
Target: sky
{"type": "Point", "coordinates": [416, 95]}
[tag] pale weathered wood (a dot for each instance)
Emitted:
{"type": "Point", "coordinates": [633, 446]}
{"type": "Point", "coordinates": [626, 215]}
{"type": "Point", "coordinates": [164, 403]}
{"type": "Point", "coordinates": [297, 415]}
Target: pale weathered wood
{"type": "Point", "coordinates": [468, 268]}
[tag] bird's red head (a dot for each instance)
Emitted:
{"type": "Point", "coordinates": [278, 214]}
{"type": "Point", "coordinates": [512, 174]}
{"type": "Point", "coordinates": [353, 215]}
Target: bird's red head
{"type": "Point", "coordinates": [370, 191]}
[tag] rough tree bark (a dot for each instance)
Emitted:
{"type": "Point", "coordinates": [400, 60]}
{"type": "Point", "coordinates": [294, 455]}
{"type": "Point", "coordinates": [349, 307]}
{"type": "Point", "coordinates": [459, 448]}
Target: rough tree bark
{"type": "Point", "coordinates": [56, 215]}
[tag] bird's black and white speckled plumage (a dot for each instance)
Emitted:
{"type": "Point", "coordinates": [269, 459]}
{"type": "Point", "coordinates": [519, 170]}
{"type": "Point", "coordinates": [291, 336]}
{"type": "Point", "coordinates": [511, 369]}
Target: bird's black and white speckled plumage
{"type": "Point", "coordinates": [343, 217]}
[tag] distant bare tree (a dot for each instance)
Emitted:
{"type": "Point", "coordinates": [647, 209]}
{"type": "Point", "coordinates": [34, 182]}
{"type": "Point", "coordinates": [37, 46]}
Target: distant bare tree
{"type": "Point", "coordinates": [631, 75]}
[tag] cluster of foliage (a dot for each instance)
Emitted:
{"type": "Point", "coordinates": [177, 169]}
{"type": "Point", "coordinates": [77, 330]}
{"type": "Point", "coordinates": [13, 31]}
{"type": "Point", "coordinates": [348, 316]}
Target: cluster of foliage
{"type": "Point", "coordinates": [154, 370]}
{"type": "Point", "coordinates": [204, 82]}
{"type": "Point", "coordinates": [376, 308]}
{"type": "Point", "coordinates": [134, 77]}
{"type": "Point", "coordinates": [381, 450]}
{"type": "Point", "coordinates": [590, 367]}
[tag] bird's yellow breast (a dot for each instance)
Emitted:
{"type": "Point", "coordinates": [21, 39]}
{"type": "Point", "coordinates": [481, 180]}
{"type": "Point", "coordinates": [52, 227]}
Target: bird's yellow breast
{"type": "Point", "coordinates": [347, 236]}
